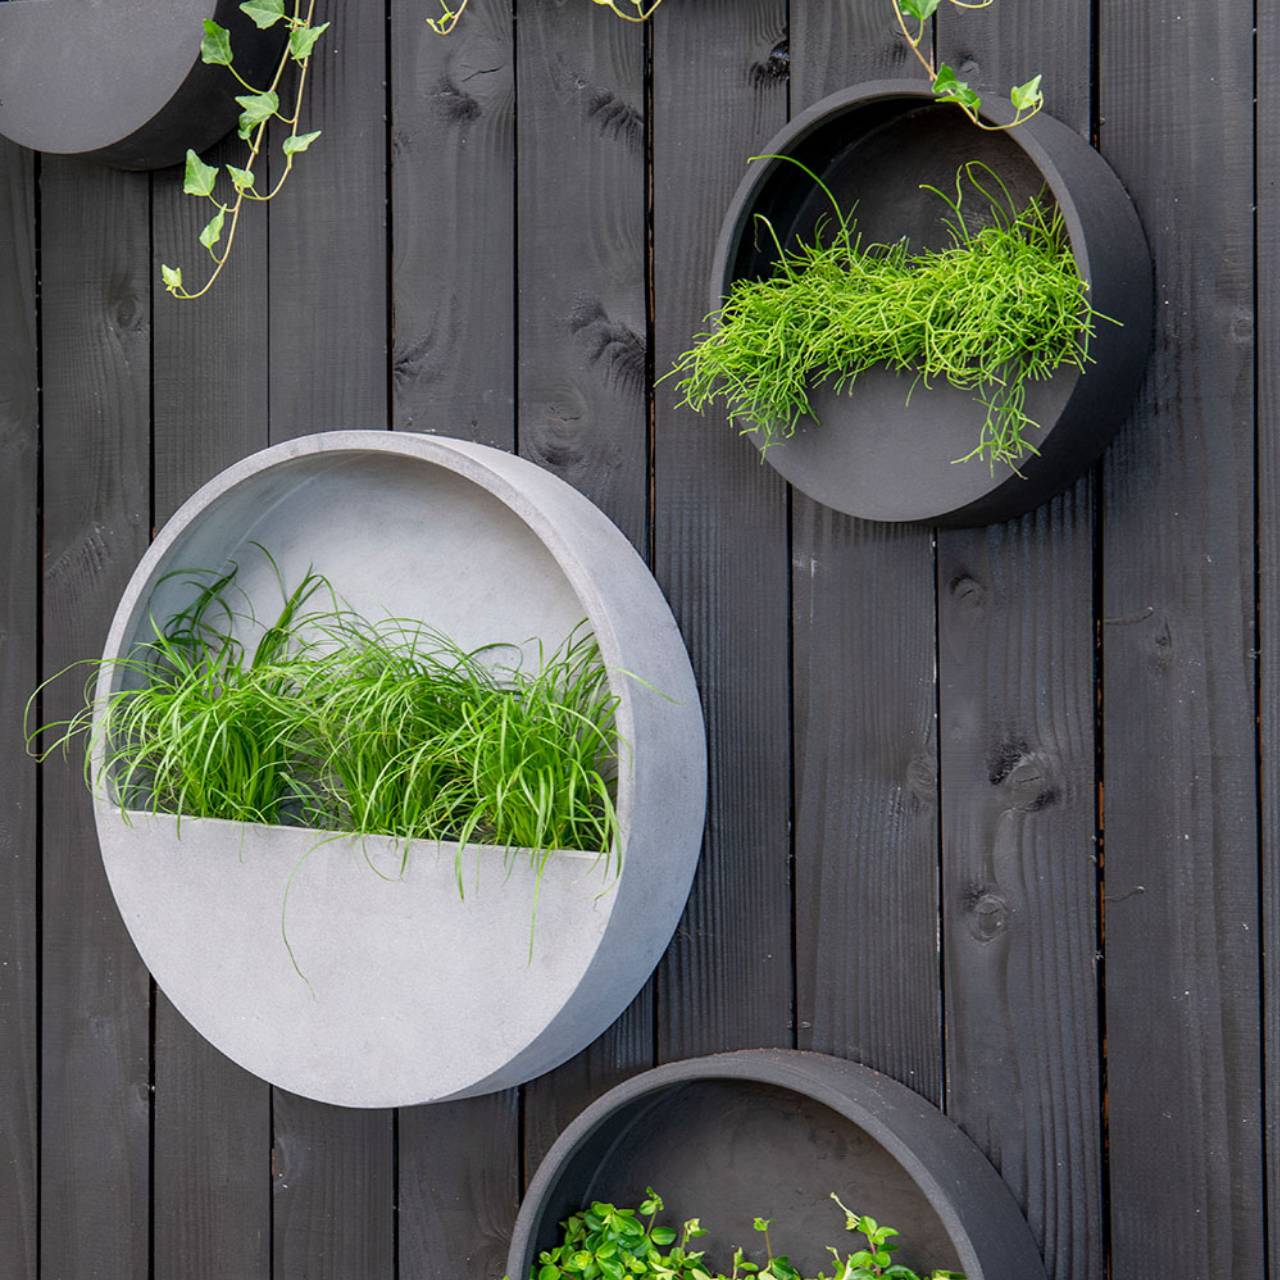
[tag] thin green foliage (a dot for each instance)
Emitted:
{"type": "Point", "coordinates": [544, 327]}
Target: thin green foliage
{"type": "Point", "coordinates": [604, 1242]}
{"type": "Point", "coordinates": [1000, 306]}
{"type": "Point", "coordinates": [336, 722]}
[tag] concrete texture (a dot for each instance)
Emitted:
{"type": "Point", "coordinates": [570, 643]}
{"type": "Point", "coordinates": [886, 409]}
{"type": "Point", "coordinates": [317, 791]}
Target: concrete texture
{"type": "Point", "coordinates": [417, 997]}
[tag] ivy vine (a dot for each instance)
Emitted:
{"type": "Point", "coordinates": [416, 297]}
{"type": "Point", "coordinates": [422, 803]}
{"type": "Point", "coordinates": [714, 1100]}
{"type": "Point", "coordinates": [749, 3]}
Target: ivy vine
{"type": "Point", "coordinates": [627, 10]}
{"type": "Point", "coordinates": [258, 108]}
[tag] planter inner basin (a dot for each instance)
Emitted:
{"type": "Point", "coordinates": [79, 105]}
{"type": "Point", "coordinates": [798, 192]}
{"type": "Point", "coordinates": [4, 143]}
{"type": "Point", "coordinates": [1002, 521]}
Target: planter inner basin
{"type": "Point", "coordinates": [773, 1133]}
{"type": "Point", "coordinates": [123, 81]}
{"type": "Point", "coordinates": [886, 448]}
{"type": "Point", "coordinates": [408, 992]}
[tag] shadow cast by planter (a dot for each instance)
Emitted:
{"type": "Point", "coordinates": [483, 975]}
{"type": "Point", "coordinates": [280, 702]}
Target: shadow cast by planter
{"type": "Point", "coordinates": [773, 1132]}
{"type": "Point", "coordinates": [873, 452]}
{"type": "Point", "coordinates": [122, 81]}
{"type": "Point", "coordinates": [415, 995]}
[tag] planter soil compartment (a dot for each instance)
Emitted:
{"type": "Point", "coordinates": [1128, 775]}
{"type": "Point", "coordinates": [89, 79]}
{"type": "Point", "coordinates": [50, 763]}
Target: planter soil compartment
{"type": "Point", "coordinates": [874, 454]}
{"type": "Point", "coordinates": [773, 1132]}
{"type": "Point", "coordinates": [122, 81]}
{"type": "Point", "coordinates": [419, 995]}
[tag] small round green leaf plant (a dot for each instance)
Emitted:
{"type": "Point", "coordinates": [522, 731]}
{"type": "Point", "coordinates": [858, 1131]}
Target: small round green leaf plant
{"type": "Point", "coordinates": [627, 10]}
{"type": "Point", "coordinates": [1000, 306]}
{"type": "Point", "coordinates": [913, 18]}
{"type": "Point", "coordinates": [604, 1242]}
{"type": "Point", "coordinates": [258, 108]}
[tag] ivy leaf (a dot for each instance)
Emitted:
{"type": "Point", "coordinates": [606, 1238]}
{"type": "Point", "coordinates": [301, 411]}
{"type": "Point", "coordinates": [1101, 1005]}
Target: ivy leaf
{"type": "Point", "coordinates": [921, 10]}
{"type": "Point", "coordinates": [948, 87]}
{"type": "Point", "coordinates": [213, 229]}
{"type": "Point", "coordinates": [303, 39]}
{"type": "Point", "coordinates": [242, 178]}
{"type": "Point", "coordinates": [215, 48]}
{"type": "Point", "coordinates": [663, 1236]}
{"type": "Point", "coordinates": [199, 177]}
{"type": "Point", "coordinates": [255, 108]}
{"type": "Point", "coordinates": [266, 13]}
{"type": "Point", "coordinates": [295, 144]}
{"type": "Point", "coordinates": [172, 277]}
{"type": "Point", "coordinates": [1027, 97]}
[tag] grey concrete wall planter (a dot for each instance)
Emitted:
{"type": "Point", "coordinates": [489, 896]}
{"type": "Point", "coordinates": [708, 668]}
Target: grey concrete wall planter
{"type": "Point", "coordinates": [418, 995]}
{"type": "Point", "coordinates": [122, 81]}
{"type": "Point", "coordinates": [773, 1132]}
{"type": "Point", "coordinates": [874, 455]}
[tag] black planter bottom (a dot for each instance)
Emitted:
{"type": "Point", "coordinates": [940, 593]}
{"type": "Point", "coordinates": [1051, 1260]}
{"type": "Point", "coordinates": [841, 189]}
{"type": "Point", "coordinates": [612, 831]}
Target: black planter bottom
{"type": "Point", "coordinates": [773, 1133]}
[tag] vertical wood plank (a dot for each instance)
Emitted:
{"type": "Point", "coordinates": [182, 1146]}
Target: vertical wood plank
{"type": "Point", "coordinates": [1016, 664]}
{"type": "Point", "coordinates": [453, 278]}
{"type": "Point", "coordinates": [583, 353]}
{"type": "Point", "coordinates": [334, 1184]}
{"type": "Point", "coordinates": [721, 542]}
{"type": "Point", "coordinates": [1267, 355]}
{"type": "Point", "coordinates": [19, 654]}
{"type": "Point", "coordinates": [1182, 959]}
{"type": "Point", "coordinates": [212, 1203]}
{"type": "Point", "coordinates": [866, 751]}
{"type": "Point", "coordinates": [453, 185]}
{"type": "Point", "coordinates": [96, 1106]}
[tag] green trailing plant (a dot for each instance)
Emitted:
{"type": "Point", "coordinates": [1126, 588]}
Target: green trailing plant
{"type": "Point", "coordinates": [1027, 99]}
{"type": "Point", "coordinates": [259, 107]}
{"type": "Point", "coordinates": [331, 721]}
{"type": "Point", "coordinates": [627, 10]}
{"type": "Point", "coordinates": [1000, 306]}
{"type": "Point", "coordinates": [604, 1242]}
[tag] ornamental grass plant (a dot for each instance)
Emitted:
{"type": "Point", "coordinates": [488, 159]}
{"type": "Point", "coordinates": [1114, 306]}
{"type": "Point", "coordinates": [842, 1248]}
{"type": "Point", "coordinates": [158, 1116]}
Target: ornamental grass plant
{"type": "Point", "coordinates": [999, 306]}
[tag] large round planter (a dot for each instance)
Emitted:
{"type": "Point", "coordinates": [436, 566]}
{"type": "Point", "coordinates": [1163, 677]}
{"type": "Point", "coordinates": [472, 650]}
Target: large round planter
{"type": "Point", "coordinates": [873, 452]}
{"type": "Point", "coordinates": [412, 993]}
{"type": "Point", "coordinates": [123, 81]}
{"type": "Point", "coordinates": [774, 1132]}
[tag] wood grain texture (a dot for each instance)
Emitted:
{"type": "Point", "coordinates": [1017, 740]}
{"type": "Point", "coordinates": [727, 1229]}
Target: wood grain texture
{"type": "Point", "coordinates": [1268, 533]}
{"type": "Point", "coordinates": [866, 750]}
{"type": "Point", "coordinates": [19, 652]}
{"type": "Point", "coordinates": [1016, 664]}
{"type": "Point", "coordinates": [328, 242]}
{"type": "Point", "coordinates": [720, 535]}
{"type": "Point", "coordinates": [1182, 958]}
{"type": "Point", "coordinates": [96, 1104]}
{"type": "Point", "coordinates": [453, 186]}
{"type": "Point", "coordinates": [583, 355]}
{"type": "Point", "coordinates": [453, 213]}
{"type": "Point", "coordinates": [212, 1150]}
{"type": "Point", "coordinates": [334, 1186]}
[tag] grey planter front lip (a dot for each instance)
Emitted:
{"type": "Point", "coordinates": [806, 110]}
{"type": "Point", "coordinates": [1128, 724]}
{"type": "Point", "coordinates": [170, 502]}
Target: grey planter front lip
{"type": "Point", "coordinates": [1111, 252]}
{"type": "Point", "coordinates": [661, 790]}
{"type": "Point", "coordinates": [123, 82]}
{"type": "Point", "coordinates": [982, 1219]}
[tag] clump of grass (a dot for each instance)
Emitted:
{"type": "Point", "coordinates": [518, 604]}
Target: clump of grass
{"type": "Point", "coordinates": [336, 722]}
{"type": "Point", "coordinates": [1002, 305]}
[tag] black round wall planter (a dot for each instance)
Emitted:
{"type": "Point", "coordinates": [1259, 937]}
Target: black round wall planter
{"type": "Point", "coordinates": [773, 1132]}
{"type": "Point", "coordinates": [872, 454]}
{"type": "Point", "coordinates": [122, 81]}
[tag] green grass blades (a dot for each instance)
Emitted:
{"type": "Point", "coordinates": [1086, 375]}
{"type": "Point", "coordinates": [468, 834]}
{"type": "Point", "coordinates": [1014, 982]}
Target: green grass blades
{"type": "Point", "coordinates": [604, 1242]}
{"type": "Point", "coordinates": [1002, 305]}
{"type": "Point", "coordinates": [325, 719]}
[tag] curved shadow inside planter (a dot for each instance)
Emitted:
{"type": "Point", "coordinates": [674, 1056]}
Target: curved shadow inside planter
{"type": "Point", "coordinates": [773, 1133]}
{"type": "Point", "coordinates": [411, 992]}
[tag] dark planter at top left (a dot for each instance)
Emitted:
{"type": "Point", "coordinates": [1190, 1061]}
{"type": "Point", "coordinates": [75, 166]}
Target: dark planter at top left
{"type": "Point", "coordinates": [122, 81]}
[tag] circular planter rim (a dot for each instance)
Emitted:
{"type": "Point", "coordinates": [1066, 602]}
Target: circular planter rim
{"type": "Point", "coordinates": [801, 1071]}
{"type": "Point", "coordinates": [1102, 228]}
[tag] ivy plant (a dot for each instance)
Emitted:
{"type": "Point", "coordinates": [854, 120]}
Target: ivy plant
{"type": "Point", "coordinates": [604, 1242]}
{"type": "Point", "coordinates": [258, 108]}
{"type": "Point", "coordinates": [627, 10]}
{"type": "Point", "coordinates": [913, 20]}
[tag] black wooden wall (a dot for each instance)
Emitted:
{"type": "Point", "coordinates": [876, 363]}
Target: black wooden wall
{"type": "Point", "coordinates": [990, 810]}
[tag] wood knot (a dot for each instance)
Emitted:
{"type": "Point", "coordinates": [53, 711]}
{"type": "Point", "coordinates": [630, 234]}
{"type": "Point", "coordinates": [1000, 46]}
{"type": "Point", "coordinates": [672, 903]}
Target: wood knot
{"type": "Point", "coordinates": [1030, 785]}
{"type": "Point", "coordinates": [922, 778]}
{"type": "Point", "coordinates": [987, 914]}
{"type": "Point", "coordinates": [774, 68]}
{"type": "Point", "coordinates": [968, 592]}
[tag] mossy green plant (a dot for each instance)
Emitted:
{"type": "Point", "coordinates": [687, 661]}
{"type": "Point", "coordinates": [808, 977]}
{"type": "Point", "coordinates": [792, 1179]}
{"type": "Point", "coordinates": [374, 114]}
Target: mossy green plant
{"type": "Point", "coordinates": [1000, 306]}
